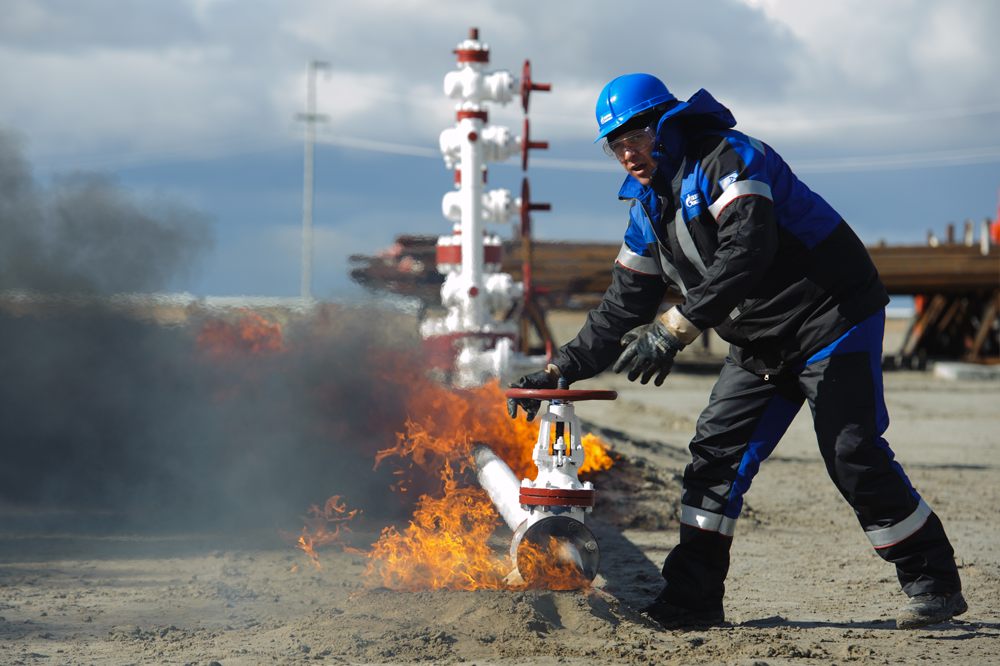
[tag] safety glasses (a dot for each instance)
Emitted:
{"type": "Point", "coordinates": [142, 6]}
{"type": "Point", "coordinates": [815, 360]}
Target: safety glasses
{"type": "Point", "coordinates": [636, 141]}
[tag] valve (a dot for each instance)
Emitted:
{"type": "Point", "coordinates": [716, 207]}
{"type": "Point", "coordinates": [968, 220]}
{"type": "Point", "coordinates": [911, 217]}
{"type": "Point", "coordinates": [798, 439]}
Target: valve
{"type": "Point", "coordinates": [527, 144]}
{"type": "Point", "coordinates": [472, 85]}
{"type": "Point", "coordinates": [527, 206]}
{"type": "Point", "coordinates": [498, 206]}
{"type": "Point", "coordinates": [553, 506]}
{"type": "Point", "coordinates": [496, 142]}
{"type": "Point", "coordinates": [527, 85]}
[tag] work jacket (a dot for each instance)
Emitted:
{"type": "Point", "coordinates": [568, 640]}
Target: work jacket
{"type": "Point", "coordinates": [753, 252]}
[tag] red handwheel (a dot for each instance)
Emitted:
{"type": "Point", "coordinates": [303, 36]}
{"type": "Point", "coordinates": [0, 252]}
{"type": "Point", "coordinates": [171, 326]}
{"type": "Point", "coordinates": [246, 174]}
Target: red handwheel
{"type": "Point", "coordinates": [527, 85]}
{"type": "Point", "coordinates": [565, 395]}
{"type": "Point", "coordinates": [527, 144]}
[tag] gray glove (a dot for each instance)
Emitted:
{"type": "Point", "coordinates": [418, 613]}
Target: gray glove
{"type": "Point", "coordinates": [653, 348]}
{"type": "Point", "coordinates": [543, 379]}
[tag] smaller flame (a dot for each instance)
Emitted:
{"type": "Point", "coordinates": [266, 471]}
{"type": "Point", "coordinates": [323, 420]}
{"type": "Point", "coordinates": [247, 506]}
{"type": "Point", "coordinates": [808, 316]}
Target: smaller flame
{"type": "Point", "coordinates": [323, 530]}
{"type": "Point", "coordinates": [445, 545]}
{"type": "Point", "coordinates": [250, 334]}
{"type": "Point", "coordinates": [550, 566]}
{"type": "Point", "coordinates": [598, 454]}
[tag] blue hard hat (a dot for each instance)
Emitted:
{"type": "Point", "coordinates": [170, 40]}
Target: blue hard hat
{"type": "Point", "coordinates": [626, 96]}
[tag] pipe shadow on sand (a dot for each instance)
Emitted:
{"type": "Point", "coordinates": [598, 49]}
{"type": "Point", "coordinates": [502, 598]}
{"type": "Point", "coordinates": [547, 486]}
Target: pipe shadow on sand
{"type": "Point", "coordinates": [631, 576]}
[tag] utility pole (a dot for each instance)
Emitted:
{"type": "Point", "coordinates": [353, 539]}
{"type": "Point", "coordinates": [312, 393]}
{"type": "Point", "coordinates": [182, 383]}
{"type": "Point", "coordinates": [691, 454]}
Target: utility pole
{"type": "Point", "coordinates": [310, 117]}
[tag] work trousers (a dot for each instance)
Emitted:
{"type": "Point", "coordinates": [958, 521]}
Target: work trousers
{"type": "Point", "coordinates": [747, 415]}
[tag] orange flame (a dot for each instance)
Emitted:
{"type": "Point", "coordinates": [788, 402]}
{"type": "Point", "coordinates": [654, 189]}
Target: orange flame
{"type": "Point", "coordinates": [545, 567]}
{"type": "Point", "coordinates": [323, 529]}
{"type": "Point", "coordinates": [443, 423]}
{"type": "Point", "coordinates": [250, 334]}
{"type": "Point", "coordinates": [445, 545]}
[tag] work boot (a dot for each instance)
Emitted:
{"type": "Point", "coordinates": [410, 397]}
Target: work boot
{"type": "Point", "coordinates": [925, 609]}
{"type": "Point", "coordinates": [669, 616]}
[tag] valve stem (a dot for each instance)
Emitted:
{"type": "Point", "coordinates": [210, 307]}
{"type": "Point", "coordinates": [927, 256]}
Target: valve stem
{"type": "Point", "coordinates": [560, 446]}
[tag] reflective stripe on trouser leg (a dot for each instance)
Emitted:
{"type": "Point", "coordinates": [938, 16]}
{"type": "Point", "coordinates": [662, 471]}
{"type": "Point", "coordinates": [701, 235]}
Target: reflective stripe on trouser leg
{"type": "Point", "coordinates": [743, 421]}
{"type": "Point", "coordinates": [844, 387]}
{"type": "Point", "coordinates": [770, 429]}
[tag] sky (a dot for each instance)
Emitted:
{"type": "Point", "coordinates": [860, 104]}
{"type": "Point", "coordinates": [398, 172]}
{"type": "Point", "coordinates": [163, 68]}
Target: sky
{"type": "Point", "coordinates": [890, 110]}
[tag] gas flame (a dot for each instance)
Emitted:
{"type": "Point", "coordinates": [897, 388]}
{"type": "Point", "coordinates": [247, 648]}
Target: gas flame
{"type": "Point", "coordinates": [323, 530]}
{"type": "Point", "coordinates": [445, 545]}
{"type": "Point", "coordinates": [424, 434]}
{"type": "Point", "coordinates": [547, 567]}
{"type": "Point", "coordinates": [443, 423]}
{"type": "Point", "coordinates": [250, 334]}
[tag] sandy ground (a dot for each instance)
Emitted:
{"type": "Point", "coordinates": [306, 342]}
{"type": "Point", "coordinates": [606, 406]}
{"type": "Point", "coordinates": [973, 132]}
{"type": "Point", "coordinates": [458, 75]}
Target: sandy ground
{"type": "Point", "coordinates": [805, 584]}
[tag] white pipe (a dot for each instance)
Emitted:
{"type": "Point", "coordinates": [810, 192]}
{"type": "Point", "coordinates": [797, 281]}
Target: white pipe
{"type": "Point", "coordinates": [499, 481]}
{"type": "Point", "coordinates": [471, 197]}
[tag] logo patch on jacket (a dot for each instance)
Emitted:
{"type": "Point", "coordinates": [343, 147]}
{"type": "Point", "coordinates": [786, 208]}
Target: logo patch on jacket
{"type": "Point", "coordinates": [692, 200]}
{"type": "Point", "coordinates": [726, 181]}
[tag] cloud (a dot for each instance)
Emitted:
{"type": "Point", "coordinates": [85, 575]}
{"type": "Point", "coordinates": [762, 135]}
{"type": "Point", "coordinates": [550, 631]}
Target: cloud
{"type": "Point", "coordinates": [920, 65]}
{"type": "Point", "coordinates": [198, 72]}
{"type": "Point", "coordinates": [47, 26]}
{"type": "Point", "coordinates": [833, 87]}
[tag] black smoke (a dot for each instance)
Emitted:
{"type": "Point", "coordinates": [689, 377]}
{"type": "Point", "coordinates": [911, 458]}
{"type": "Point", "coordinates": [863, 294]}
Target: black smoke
{"type": "Point", "coordinates": [116, 417]}
{"type": "Point", "coordinates": [85, 233]}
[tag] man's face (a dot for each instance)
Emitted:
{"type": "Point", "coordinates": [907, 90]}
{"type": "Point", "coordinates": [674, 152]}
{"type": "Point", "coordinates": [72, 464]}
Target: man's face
{"type": "Point", "coordinates": [635, 152]}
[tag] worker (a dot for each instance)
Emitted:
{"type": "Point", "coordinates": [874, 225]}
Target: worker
{"type": "Point", "coordinates": [719, 217]}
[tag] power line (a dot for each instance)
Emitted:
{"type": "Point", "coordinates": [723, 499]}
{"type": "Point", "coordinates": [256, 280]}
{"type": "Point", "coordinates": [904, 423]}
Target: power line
{"type": "Point", "coordinates": [262, 142]}
{"type": "Point", "coordinates": [942, 158]}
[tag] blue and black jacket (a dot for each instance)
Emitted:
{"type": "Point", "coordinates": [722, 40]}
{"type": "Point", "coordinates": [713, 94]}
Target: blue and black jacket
{"type": "Point", "coordinates": [754, 253]}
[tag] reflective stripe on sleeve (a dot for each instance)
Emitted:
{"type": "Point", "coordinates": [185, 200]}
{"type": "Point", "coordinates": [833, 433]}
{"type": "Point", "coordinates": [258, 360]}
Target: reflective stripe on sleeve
{"type": "Point", "coordinates": [671, 272]}
{"type": "Point", "coordinates": [890, 536]}
{"type": "Point", "coordinates": [740, 188]}
{"type": "Point", "coordinates": [636, 262]}
{"type": "Point", "coordinates": [687, 243]}
{"type": "Point", "coordinates": [757, 144]}
{"type": "Point", "coordinates": [708, 521]}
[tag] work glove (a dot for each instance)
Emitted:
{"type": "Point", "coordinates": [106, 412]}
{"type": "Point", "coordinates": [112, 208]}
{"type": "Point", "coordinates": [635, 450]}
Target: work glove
{"type": "Point", "coordinates": [653, 348]}
{"type": "Point", "coordinates": [543, 379]}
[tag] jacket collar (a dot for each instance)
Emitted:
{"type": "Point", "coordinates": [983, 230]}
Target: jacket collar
{"type": "Point", "coordinates": [702, 111]}
{"type": "Point", "coordinates": [632, 189]}
{"type": "Point", "coordinates": [709, 111]}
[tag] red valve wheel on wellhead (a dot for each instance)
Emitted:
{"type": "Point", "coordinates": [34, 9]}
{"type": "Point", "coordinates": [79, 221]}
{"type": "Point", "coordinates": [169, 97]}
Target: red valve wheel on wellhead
{"type": "Point", "coordinates": [527, 144]}
{"type": "Point", "coordinates": [527, 85]}
{"type": "Point", "coordinates": [527, 206]}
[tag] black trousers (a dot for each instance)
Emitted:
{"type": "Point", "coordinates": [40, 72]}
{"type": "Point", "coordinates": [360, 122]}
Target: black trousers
{"type": "Point", "coordinates": [747, 415]}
